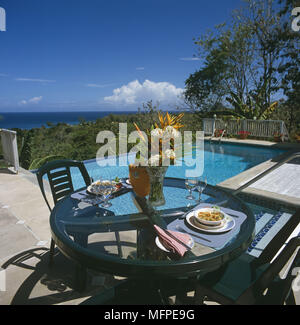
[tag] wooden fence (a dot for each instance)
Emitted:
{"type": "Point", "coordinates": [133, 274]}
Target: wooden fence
{"type": "Point", "coordinates": [256, 128]}
{"type": "Point", "coordinates": [10, 148]}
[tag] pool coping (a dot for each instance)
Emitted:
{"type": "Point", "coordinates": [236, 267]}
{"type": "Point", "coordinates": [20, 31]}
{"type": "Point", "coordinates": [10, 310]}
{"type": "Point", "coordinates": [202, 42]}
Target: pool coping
{"type": "Point", "coordinates": [258, 195]}
{"type": "Point", "coordinates": [254, 142]}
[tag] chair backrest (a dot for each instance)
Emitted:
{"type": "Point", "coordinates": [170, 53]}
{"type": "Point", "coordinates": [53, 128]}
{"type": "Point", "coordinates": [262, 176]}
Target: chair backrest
{"type": "Point", "coordinates": [279, 239]}
{"type": "Point", "coordinates": [60, 179]}
{"type": "Point", "coordinates": [274, 257]}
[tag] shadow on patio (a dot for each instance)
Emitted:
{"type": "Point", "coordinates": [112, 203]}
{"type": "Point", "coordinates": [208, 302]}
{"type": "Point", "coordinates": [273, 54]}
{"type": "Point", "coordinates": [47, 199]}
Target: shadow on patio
{"type": "Point", "coordinates": [30, 281]}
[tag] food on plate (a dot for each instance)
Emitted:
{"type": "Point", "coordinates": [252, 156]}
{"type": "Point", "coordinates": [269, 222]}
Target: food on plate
{"type": "Point", "coordinates": [98, 186]}
{"type": "Point", "coordinates": [211, 215]}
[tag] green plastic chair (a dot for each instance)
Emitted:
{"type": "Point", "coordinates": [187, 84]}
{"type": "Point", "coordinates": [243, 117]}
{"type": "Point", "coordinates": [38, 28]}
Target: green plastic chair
{"type": "Point", "coordinates": [60, 181]}
{"type": "Point", "coordinates": [256, 281]}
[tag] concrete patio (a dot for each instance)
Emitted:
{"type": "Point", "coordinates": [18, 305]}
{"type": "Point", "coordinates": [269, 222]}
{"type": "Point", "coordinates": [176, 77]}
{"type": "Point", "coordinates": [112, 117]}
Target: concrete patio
{"type": "Point", "coordinates": [24, 242]}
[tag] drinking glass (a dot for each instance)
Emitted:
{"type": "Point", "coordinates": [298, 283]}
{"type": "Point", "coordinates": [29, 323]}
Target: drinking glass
{"type": "Point", "coordinates": [191, 183]}
{"type": "Point", "coordinates": [106, 191]}
{"type": "Point", "coordinates": [201, 186]}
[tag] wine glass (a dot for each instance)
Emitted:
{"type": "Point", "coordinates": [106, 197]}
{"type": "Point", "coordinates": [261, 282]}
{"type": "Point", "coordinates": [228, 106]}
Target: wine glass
{"type": "Point", "coordinates": [106, 191]}
{"type": "Point", "coordinates": [201, 186]}
{"type": "Point", "coordinates": [191, 183]}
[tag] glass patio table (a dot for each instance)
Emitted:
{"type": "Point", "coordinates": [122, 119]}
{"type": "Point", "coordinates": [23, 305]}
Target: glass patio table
{"type": "Point", "coordinates": [86, 233]}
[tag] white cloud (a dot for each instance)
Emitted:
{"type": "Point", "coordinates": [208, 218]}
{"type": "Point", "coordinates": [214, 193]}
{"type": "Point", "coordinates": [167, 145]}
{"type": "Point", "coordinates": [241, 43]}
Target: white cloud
{"type": "Point", "coordinates": [136, 93]}
{"type": "Point", "coordinates": [34, 100]}
{"type": "Point", "coordinates": [34, 80]}
{"type": "Point", "coordinates": [140, 68]}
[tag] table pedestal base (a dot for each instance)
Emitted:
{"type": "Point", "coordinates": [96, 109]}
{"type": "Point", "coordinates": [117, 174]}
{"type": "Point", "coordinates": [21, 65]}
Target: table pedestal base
{"type": "Point", "coordinates": [142, 292]}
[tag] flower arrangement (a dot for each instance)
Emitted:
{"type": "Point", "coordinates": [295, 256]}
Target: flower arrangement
{"type": "Point", "coordinates": [243, 134]}
{"type": "Point", "coordinates": [160, 137]}
{"type": "Point", "coordinates": [159, 152]}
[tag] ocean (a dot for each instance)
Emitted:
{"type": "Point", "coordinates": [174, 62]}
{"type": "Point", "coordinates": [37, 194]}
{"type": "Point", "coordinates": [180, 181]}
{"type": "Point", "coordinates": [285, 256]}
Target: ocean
{"type": "Point", "coordinates": [29, 120]}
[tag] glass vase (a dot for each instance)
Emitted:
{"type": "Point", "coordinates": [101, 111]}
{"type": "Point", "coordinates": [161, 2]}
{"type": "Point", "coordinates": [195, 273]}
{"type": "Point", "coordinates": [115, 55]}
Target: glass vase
{"type": "Point", "coordinates": [156, 175]}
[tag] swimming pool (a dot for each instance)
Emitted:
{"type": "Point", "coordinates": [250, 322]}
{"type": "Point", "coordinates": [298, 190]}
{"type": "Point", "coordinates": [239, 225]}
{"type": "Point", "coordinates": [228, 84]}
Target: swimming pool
{"type": "Point", "coordinates": [221, 161]}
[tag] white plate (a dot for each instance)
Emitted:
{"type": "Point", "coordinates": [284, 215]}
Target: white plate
{"type": "Point", "coordinates": [162, 247]}
{"type": "Point", "coordinates": [91, 190]}
{"type": "Point", "coordinates": [229, 223]}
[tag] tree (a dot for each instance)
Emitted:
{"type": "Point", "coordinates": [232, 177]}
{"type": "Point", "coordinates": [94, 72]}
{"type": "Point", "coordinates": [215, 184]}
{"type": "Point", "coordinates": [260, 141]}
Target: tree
{"type": "Point", "coordinates": [241, 63]}
{"type": "Point", "coordinates": [290, 66]}
{"type": "Point", "coordinates": [205, 88]}
{"type": "Point", "coordinates": [224, 68]}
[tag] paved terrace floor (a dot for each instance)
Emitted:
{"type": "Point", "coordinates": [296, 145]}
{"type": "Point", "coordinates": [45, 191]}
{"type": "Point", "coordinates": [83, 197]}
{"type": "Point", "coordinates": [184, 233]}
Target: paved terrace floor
{"type": "Point", "coordinates": [24, 242]}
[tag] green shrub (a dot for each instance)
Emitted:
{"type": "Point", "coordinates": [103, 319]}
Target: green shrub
{"type": "Point", "coordinates": [37, 163]}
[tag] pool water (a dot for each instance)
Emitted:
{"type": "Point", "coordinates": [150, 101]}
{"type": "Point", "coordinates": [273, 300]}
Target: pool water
{"type": "Point", "coordinates": [221, 161]}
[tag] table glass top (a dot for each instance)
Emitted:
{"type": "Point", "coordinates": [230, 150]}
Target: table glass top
{"type": "Point", "coordinates": [122, 233]}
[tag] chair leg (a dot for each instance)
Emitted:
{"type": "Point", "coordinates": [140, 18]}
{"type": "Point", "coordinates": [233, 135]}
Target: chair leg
{"type": "Point", "coordinates": [119, 244]}
{"type": "Point", "coordinates": [199, 297]}
{"type": "Point", "coordinates": [80, 278]}
{"type": "Point", "coordinates": [51, 252]}
{"type": "Point", "coordinates": [290, 300]}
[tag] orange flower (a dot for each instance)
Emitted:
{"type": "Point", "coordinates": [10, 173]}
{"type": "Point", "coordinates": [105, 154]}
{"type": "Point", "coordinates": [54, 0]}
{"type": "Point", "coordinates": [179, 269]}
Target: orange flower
{"type": "Point", "coordinates": [170, 120]}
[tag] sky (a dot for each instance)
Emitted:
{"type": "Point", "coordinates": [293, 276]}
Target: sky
{"type": "Point", "coordinates": [59, 55]}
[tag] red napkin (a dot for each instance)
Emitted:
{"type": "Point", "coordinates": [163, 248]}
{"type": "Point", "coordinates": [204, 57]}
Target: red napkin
{"type": "Point", "coordinates": [170, 243]}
